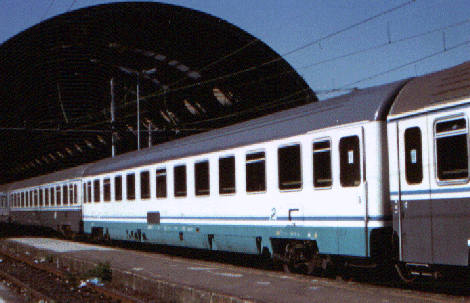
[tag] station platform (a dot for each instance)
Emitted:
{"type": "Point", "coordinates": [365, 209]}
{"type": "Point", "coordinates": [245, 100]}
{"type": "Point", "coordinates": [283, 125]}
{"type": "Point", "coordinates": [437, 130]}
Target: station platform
{"type": "Point", "coordinates": [175, 279]}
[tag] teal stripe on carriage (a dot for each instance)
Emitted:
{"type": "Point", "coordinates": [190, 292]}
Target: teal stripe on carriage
{"type": "Point", "coordinates": [350, 241]}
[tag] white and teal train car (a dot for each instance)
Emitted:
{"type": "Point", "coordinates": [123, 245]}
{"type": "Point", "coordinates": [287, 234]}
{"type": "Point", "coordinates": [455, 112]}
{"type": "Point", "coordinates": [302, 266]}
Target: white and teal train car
{"type": "Point", "coordinates": [303, 185]}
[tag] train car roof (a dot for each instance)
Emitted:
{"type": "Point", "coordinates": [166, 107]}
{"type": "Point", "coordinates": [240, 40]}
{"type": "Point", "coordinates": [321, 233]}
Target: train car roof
{"type": "Point", "coordinates": [433, 90]}
{"type": "Point", "coordinates": [63, 175]}
{"type": "Point", "coordinates": [371, 104]}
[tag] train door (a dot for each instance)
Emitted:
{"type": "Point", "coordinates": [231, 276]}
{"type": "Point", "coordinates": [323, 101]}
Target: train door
{"type": "Point", "coordinates": [450, 187]}
{"type": "Point", "coordinates": [414, 217]}
{"type": "Point", "coordinates": [352, 204]}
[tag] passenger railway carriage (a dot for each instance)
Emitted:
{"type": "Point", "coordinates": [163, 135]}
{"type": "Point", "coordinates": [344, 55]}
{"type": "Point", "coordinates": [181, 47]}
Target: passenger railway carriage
{"type": "Point", "coordinates": [378, 175]}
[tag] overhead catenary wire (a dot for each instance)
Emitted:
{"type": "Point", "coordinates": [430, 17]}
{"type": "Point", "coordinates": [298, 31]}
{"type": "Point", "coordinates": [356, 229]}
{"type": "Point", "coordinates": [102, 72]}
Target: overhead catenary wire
{"type": "Point", "coordinates": [302, 47]}
{"type": "Point", "coordinates": [357, 53]}
{"type": "Point", "coordinates": [281, 57]}
{"type": "Point", "coordinates": [47, 10]}
{"type": "Point", "coordinates": [408, 64]}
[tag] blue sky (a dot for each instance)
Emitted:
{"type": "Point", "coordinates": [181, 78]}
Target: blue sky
{"type": "Point", "coordinates": [290, 25]}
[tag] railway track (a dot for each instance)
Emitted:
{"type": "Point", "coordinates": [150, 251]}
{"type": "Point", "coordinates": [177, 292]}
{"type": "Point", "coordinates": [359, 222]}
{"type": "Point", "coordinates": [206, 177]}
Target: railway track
{"type": "Point", "coordinates": [41, 281]}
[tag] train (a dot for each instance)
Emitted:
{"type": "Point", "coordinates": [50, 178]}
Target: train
{"type": "Point", "coordinates": [376, 176]}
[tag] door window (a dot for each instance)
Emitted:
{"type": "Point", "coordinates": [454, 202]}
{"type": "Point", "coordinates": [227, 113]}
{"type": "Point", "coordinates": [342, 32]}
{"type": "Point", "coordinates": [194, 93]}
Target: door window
{"type": "Point", "coordinates": [413, 156]}
{"type": "Point", "coordinates": [350, 166]}
{"type": "Point", "coordinates": [452, 150]}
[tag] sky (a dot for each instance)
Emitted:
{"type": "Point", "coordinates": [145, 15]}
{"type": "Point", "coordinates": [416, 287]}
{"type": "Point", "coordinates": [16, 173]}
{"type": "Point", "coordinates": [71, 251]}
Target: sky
{"type": "Point", "coordinates": [333, 44]}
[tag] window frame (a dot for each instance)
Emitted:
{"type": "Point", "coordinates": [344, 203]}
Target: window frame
{"type": "Point", "coordinates": [96, 191]}
{"type": "Point", "coordinates": [118, 188]}
{"type": "Point", "coordinates": [330, 151]}
{"type": "Point", "coordinates": [202, 179]}
{"type": "Point", "coordinates": [130, 194]}
{"type": "Point", "coordinates": [161, 174]}
{"type": "Point", "coordinates": [228, 190]}
{"type": "Point", "coordinates": [251, 161]}
{"type": "Point", "coordinates": [107, 189]}
{"type": "Point", "coordinates": [148, 191]}
{"type": "Point", "coordinates": [408, 145]}
{"type": "Point", "coordinates": [448, 134]}
{"type": "Point", "coordinates": [300, 171]}
{"type": "Point", "coordinates": [182, 181]}
{"type": "Point", "coordinates": [344, 170]}
{"type": "Point", "coordinates": [65, 194]}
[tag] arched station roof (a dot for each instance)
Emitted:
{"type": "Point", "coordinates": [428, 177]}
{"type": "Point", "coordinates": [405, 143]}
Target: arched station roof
{"type": "Point", "coordinates": [195, 73]}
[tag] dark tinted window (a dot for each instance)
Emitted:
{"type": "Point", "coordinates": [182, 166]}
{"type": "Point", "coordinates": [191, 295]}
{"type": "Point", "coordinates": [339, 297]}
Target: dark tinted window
{"type": "Point", "coordinates": [350, 166]}
{"type": "Point", "coordinates": [289, 167]}
{"type": "Point", "coordinates": [145, 185]}
{"type": "Point", "coordinates": [161, 183]}
{"type": "Point", "coordinates": [180, 180]}
{"type": "Point", "coordinates": [118, 188]}
{"type": "Point", "coordinates": [322, 176]}
{"type": "Point", "coordinates": [96, 191]}
{"type": "Point", "coordinates": [89, 191]}
{"type": "Point", "coordinates": [75, 194]}
{"type": "Point", "coordinates": [130, 182]}
{"type": "Point", "coordinates": [413, 156]}
{"type": "Point", "coordinates": [46, 196]}
{"type": "Point", "coordinates": [52, 196]}
{"type": "Point", "coordinates": [65, 192]}
{"type": "Point", "coordinates": [107, 190]}
{"type": "Point", "coordinates": [227, 175]}
{"type": "Point", "coordinates": [452, 150]}
{"type": "Point", "coordinates": [41, 197]}
{"type": "Point", "coordinates": [201, 177]}
{"type": "Point", "coordinates": [59, 195]}
{"type": "Point", "coordinates": [255, 172]}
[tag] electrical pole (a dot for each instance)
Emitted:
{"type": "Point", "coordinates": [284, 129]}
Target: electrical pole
{"type": "Point", "coordinates": [138, 114]}
{"type": "Point", "coordinates": [113, 131]}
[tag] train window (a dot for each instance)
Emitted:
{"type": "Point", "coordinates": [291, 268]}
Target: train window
{"type": "Point", "coordinates": [106, 189]}
{"type": "Point", "coordinates": [256, 172]}
{"type": "Point", "coordinates": [22, 200]}
{"type": "Point", "coordinates": [88, 185]}
{"type": "Point", "coordinates": [322, 175]}
{"type": "Point", "coordinates": [289, 167]}
{"type": "Point", "coordinates": [65, 191]}
{"type": "Point", "coordinates": [85, 197]}
{"type": "Point", "coordinates": [75, 194]}
{"type": "Point", "coordinates": [46, 196]}
{"type": "Point", "coordinates": [227, 175]}
{"type": "Point", "coordinates": [52, 196]}
{"type": "Point", "coordinates": [451, 150]}
{"type": "Point", "coordinates": [130, 185]}
{"type": "Point", "coordinates": [161, 183]}
{"type": "Point", "coordinates": [350, 168]}
{"type": "Point", "coordinates": [117, 188]}
{"type": "Point", "coordinates": [201, 176]}
{"type": "Point", "coordinates": [41, 197]}
{"type": "Point", "coordinates": [179, 173]}
{"type": "Point", "coordinates": [71, 194]}
{"type": "Point", "coordinates": [145, 185]}
{"type": "Point", "coordinates": [96, 191]}
{"type": "Point", "coordinates": [59, 195]}
{"type": "Point", "coordinates": [36, 197]}
{"type": "Point", "coordinates": [413, 156]}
